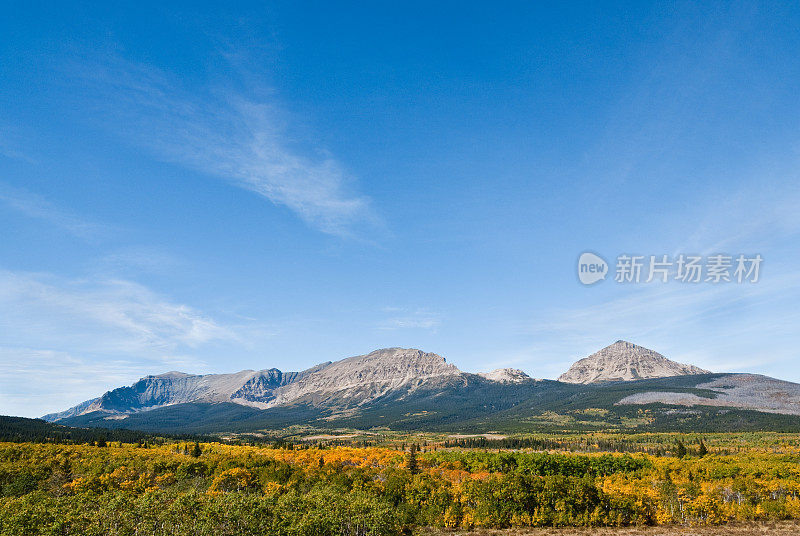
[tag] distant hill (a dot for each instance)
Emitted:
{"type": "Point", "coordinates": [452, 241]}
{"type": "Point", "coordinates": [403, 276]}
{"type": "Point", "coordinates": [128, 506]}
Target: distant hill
{"type": "Point", "coordinates": [622, 387]}
{"type": "Point", "coordinates": [21, 429]}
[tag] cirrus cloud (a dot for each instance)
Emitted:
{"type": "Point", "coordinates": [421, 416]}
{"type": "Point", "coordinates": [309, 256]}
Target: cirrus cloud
{"type": "Point", "coordinates": [227, 134]}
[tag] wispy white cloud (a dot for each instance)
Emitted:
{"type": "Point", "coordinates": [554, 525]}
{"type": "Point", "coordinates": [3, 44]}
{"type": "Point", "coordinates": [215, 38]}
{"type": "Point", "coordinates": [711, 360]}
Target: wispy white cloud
{"type": "Point", "coordinates": [134, 318]}
{"type": "Point", "coordinates": [225, 134]}
{"type": "Point", "coordinates": [35, 206]}
{"type": "Point", "coordinates": [726, 327]}
{"type": "Point", "coordinates": [409, 319]}
{"type": "Point", "coordinates": [38, 381]}
{"type": "Point", "coordinates": [137, 259]}
{"type": "Point", "coordinates": [745, 218]}
{"type": "Point", "coordinates": [35, 381]}
{"type": "Point", "coordinates": [66, 340]}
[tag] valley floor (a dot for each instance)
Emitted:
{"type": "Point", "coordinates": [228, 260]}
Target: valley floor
{"type": "Point", "coordinates": [781, 528]}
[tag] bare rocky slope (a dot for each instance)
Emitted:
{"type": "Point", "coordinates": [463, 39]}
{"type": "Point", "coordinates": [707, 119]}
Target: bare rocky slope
{"type": "Point", "coordinates": [350, 382]}
{"type": "Point", "coordinates": [743, 391]}
{"type": "Point", "coordinates": [363, 378]}
{"type": "Point", "coordinates": [625, 361]}
{"type": "Point", "coordinates": [505, 375]}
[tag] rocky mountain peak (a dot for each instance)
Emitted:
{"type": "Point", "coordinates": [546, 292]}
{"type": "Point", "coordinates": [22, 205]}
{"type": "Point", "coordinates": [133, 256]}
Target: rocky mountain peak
{"type": "Point", "coordinates": [369, 376]}
{"type": "Point", "coordinates": [625, 361]}
{"type": "Point", "coordinates": [400, 357]}
{"type": "Point", "coordinates": [505, 375]}
{"type": "Point", "coordinates": [171, 375]}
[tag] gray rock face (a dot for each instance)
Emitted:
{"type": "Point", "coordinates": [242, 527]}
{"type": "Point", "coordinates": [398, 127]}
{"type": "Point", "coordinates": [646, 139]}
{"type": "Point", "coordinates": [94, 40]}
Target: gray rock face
{"type": "Point", "coordinates": [153, 392]}
{"type": "Point", "coordinates": [624, 361]}
{"type": "Point", "coordinates": [506, 375]}
{"type": "Point", "coordinates": [260, 388]}
{"type": "Point", "coordinates": [357, 380]}
{"type": "Point", "coordinates": [349, 382]}
{"type": "Point", "coordinates": [745, 391]}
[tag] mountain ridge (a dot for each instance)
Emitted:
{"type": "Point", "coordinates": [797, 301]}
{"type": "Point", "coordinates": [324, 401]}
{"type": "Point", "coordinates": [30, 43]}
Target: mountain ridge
{"type": "Point", "coordinates": [359, 379]}
{"type": "Point", "coordinates": [351, 382]}
{"type": "Point", "coordinates": [407, 388]}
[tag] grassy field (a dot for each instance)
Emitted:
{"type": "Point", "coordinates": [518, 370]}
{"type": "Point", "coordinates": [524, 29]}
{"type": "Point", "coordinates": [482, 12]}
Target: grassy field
{"type": "Point", "coordinates": [783, 528]}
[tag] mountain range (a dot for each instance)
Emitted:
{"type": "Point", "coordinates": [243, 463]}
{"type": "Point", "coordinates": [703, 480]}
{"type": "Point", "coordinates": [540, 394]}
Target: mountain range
{"type": "Point", "coordinates": [623, 386]}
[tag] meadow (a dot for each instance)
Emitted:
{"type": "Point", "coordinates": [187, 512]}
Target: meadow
{"type": "Point", "coordinates": [285, 488]}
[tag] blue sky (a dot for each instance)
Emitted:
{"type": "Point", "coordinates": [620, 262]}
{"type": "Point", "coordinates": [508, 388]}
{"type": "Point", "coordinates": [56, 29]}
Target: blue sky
{"type": "Point", "coordinates": [212, 189]}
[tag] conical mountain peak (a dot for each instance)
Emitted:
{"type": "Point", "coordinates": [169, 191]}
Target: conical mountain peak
{"type": "Point", "coordinates": [625, 361]}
